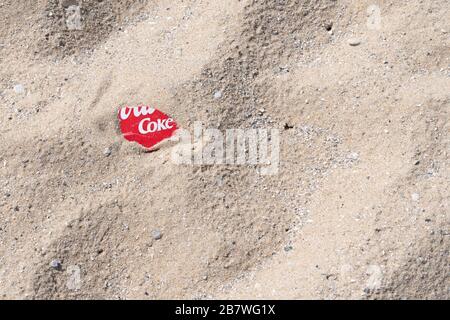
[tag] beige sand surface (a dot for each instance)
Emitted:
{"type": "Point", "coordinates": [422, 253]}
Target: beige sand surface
{"type": "Point", "coordinates": [359, 90]}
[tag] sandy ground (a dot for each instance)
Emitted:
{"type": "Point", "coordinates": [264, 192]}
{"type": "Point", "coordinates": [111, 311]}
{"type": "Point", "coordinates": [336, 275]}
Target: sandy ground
{"type": "Point", "coordinates": [360, 92]}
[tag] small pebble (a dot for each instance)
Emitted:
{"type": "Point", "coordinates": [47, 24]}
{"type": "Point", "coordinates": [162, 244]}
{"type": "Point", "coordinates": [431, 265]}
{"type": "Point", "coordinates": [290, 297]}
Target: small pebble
{"type": "Point", "coordinates": [156, 234]}
{"type": "Point", "coordinates": [354, 42]}
{"type": "Point", "coordinates": [353, 156]}
{"type": "Point", "coordinates": [19, 89]}
{"type": "Point", "coordinates": [56, 264]}
{"type": "Point", "coordinates": [217, 95]}
{"type": "Point", "coordinates": [107, 152]}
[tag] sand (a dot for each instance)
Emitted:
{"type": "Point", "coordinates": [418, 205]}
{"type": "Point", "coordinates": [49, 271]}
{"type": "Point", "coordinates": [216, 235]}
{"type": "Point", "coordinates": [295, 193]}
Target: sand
{"type": "Point", "coordinates": [359, 93]}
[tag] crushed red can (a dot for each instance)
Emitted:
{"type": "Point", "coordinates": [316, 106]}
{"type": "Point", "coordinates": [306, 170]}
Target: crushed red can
{"type": "Point", "coordinates": [146, 125]}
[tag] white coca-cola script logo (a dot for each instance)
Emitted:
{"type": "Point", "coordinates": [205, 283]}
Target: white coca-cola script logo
{"type": "Point", "coordinates": [137, 112]}
{"type": "Point", "coordinates": [148, 126]}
